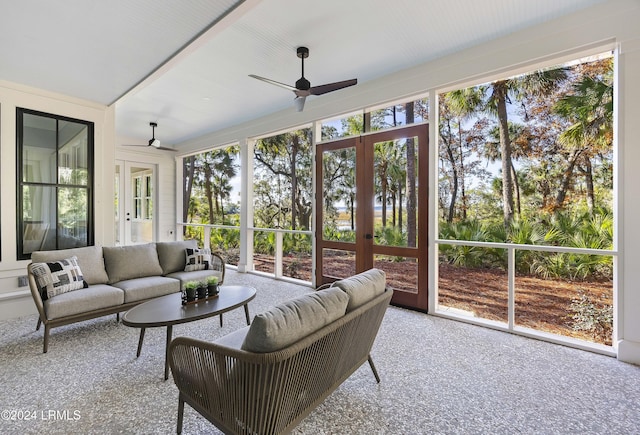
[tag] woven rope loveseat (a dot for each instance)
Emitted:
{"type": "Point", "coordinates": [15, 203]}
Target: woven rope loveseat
{"type": "Point", "coordinates": [246, 392]}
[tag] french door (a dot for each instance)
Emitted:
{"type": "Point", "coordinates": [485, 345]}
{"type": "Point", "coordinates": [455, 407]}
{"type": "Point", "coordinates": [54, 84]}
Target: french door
{"type": "Point", "coordinates": [371, 210]}
{"type": "Point", "coordinates": [134, 203]}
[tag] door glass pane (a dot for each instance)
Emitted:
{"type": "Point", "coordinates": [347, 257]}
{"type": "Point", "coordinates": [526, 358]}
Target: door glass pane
{"type": "Point", "coordinates": [38, 149]}
{"type": "Point", "coordinates": [72, 215]}
{"type": "Point", "coordinates": [402, 272]}
{"type": "Point", "coordinates": [396, 192]}
{"type": "Point", "coordinates": [38, 217]}
{"type": "Point", "coordinates": [72, 154]}
{"type": "Point", "coordinates": [339, 195]}
{"type": "Point", "coordinates": [337, 263]}
{"type": "Point", "coordinates": [116, 205]}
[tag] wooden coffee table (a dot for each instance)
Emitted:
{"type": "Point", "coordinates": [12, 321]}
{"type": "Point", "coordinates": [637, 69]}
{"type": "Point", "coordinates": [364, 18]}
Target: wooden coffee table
{"type": "Point", "coordinates": [168, 311]}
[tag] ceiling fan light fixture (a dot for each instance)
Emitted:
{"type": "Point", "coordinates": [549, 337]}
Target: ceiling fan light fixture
{"type": "Point", "coordinates": [154, 143]}
{"type": "Point", "coordinates": [299, 103]}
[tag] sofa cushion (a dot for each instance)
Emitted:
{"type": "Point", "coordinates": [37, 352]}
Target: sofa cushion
{"type": "Point", "coordinates": [137, 289]}
{"type": "Point", "coordinates": [57, 277]}
{"type": "Point", "coordinates": [89, 259]}
{"type": "Point", "coordinates": [197, 259]}
{"type": "Point", "coordinates": [196, 275]}
{"type": "Point", "coordinates": [362, 287]}
{"type": "Point", "coordinates": [94, 297]}
{"type": "Point", "coordinates": [171, 254]}
{"type": "Point", "coordinates": [128, 262]}
{"type": "Point", "coordinates": [293, 320]}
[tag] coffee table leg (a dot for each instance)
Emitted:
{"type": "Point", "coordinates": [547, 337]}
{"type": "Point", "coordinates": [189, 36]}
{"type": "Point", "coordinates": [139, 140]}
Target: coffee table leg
{"type": "Point", "coordinates": [246, 313]}
{"type": "Point", "coordinates": [166, 352]}
{"type": "Point", "coordinates": [221, 320]}
{"type": "Point", "coordinates": [140, 342]}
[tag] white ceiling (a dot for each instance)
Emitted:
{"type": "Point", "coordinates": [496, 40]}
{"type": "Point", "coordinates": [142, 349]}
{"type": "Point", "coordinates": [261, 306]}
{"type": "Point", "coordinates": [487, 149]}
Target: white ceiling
{"type": "Point", "coordinates": [185, 64]}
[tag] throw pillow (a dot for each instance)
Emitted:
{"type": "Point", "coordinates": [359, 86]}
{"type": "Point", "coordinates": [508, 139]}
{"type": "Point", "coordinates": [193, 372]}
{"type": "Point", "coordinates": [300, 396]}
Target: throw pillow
{"type": "Point", "coordinates": [197, 259]}
{"type": "Point", "coordinates": [294, 319]}
{"type": "Point", "coordinates": [362, 287]}
{"type": "Point", "coordinates": [58, 277]}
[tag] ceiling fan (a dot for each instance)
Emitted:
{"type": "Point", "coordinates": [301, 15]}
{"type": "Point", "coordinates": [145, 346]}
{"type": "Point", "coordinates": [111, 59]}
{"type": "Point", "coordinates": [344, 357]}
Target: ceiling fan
{"type": "Point", "coordinates": [153, 142]}
{"type": "Point", "coordinates": [303, 88]}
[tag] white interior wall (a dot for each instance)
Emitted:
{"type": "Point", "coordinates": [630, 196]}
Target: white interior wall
{"type": "Point", "coordinates": [16, 301]}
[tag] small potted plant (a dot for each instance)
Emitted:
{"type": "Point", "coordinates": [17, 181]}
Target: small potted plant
{"type": "Point", "coordinates": [202, 290]}
{"type": "Point", "coordinates": [191, 289]}
{"type": "Point", "coordinates": [212, 285]}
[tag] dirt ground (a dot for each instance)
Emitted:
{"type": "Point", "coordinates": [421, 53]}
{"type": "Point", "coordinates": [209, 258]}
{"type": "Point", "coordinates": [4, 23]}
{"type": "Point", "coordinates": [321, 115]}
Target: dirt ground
{"type": "Point", "coordinates": [540, 304]}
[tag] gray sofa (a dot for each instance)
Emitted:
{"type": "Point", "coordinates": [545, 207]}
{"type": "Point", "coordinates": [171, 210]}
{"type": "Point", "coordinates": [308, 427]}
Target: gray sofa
{"type": "Point", "coordinates": [72, 285]}
{"type": "Point", "coordinates": [265, 378]}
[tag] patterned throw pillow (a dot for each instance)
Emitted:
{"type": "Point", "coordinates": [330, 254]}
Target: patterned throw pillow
{"type": "Point", "coordinates": [58, 277]}
{"type": "Point", "coordinates": [197, 259]}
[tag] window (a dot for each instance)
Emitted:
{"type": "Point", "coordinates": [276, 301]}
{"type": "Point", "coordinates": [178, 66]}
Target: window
{"type": "Point", "coordinates": [55, 182]}
{"type": "Point", "coordinates": [528, 160]}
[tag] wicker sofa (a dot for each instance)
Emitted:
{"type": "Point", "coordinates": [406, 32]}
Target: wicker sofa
{"type": "Point", "coordinates": [73, 285]}
{"type": "Point", "coordinates": [265, 378]}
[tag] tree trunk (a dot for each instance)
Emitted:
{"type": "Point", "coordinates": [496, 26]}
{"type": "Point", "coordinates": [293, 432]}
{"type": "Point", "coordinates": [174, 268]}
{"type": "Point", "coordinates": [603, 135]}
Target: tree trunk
{"type": "Point", "coordinates": [516, 185]}
{"type": "Point", "coordinates": [411, 182]}
{"type": "Point", "coordinates": [500, 93]}
{"type": "Point", "coordinates": [208, 191]}
{"type": "Point", "coordinates": [454, 174]}
{"type": "Point", "coordinates": [566, 180]}
{"type": "Point", "coordinates": [294, 180]}
{"type": "Point", "coordinates": [588, 173]}
{"type": "Point", "coordinates": [463, 194]}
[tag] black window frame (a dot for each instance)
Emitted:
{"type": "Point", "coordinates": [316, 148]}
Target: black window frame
{"type": "Point", "coordinates": [20, 183]}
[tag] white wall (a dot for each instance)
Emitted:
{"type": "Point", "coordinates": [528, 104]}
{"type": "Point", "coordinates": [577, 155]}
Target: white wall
{"type": "Point", "coordinates": [15, 301]}
{"type": "Point", "coordinates": [613, 24]}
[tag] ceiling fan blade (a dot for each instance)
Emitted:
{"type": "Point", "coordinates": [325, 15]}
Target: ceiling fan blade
{"type": "Point", "coordinates": [330, 87]}
{"type": "Point", "coordinates": [273, 82]}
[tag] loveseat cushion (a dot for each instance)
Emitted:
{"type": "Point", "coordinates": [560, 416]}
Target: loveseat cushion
{"type": "Point", "coordinates": [95, 297]}
{"type": "Point", "coordinates": [362, 287]}
{"type": "Point", "coordinates": [89, 259]}
{"type": "Point", "coordinates": [58, 277]}
{"type": "Point", "coordinates": [293, 320]}
{"type": "Point", "coordinates": [128, 262]}
{"type": "Point", "coordinates": [137, 289]}
{"type": "Point", "coordinates": [171, 254]}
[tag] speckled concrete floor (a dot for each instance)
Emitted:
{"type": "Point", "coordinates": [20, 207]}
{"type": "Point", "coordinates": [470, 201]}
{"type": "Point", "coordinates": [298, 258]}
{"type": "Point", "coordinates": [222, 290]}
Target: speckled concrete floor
{"type": "Point", "coordinates": [438, 376]}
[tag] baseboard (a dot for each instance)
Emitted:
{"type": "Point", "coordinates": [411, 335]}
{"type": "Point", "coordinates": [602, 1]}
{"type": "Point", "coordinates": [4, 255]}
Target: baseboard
{"type": "Point", "coordinates": [19, 304]}
{"type": "Point", "coordinates": [629, 351]}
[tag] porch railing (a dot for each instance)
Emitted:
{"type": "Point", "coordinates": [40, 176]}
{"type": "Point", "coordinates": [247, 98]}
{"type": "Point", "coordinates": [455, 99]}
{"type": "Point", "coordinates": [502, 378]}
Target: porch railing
{"type": "Point", "coordinates": [511, 326]}
{"type": "Point", "coordinates": [278, 248]}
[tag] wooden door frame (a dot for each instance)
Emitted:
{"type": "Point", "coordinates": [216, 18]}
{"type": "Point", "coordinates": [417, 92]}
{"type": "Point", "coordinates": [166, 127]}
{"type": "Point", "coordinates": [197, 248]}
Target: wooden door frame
{"type": "Point", "coordinates": [364, 147]}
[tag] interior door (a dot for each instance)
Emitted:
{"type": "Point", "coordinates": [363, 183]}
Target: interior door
{"type": "Point", "coordinates": [134, 203]}
{"type": "Point", "coordinates": [372, 210]}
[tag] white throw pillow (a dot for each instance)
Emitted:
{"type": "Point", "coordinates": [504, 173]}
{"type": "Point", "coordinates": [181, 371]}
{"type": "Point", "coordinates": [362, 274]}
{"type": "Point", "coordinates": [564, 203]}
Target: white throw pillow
{"type": "Point", "coordinates": [197, 259]}
{"type": "Point", "coordinates": [58, 277]}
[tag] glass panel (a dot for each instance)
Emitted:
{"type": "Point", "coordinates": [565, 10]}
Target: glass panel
{"type": "Point", "coordinates": [72, 217]}
{"type": "Point", "coordinates": [566, 294]}
{"type": "Point", "coordinates": [264, 245]}
{"type": "Point", "coordinates": [72, 154]}
{"type": "Point", "coordinates": [116, 205]}
{"type": "Point", "coordinates": [473, 282]}
{"type": "Point", "coordinates": [296, 259]}
{"type": "Point", "coordinates": [39, 149]}
{"type": "Point", "coordinates": [38, 217]}
{"type": "Point", "coordinates": [226, 243]}
{"type": "Point", "coordinates": [396, 192]}
{"type": "Point", "coordinates": [339, 195]}
{"type": "Point", "coordinates": [402, 272]}
{"type": "Point", "coordinates": [338, 263]}
{"type": "Point", "coordinates": [142, 231]}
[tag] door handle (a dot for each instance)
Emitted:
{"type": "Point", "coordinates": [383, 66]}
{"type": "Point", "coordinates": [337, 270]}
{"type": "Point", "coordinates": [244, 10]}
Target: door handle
{"type": "Point", "coordinates": [368, 236]}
